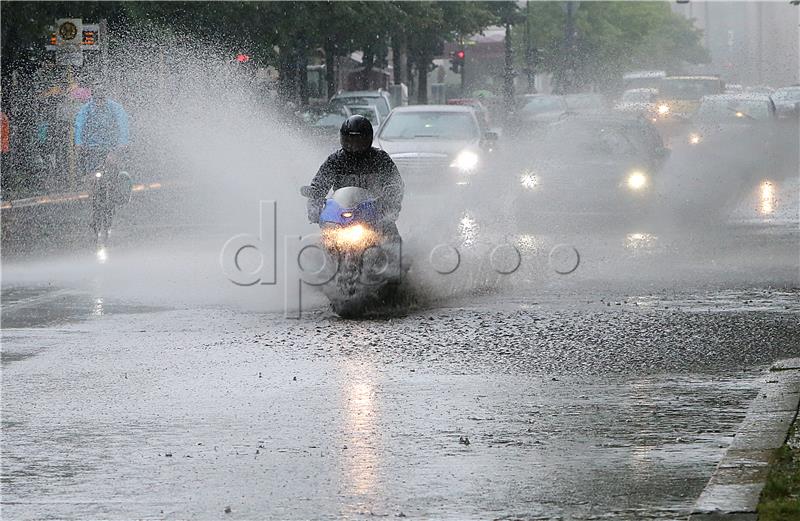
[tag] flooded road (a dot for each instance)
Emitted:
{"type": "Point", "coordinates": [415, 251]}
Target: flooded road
{"type": "Point", "coordinates": [145, 384]}
{"type": "Point", "coordinates": [563, 402]}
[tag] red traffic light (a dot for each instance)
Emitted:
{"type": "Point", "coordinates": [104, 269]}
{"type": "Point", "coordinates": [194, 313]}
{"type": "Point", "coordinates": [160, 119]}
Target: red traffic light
{"type": "Point", "coordinates": [242, 58]}
{"type": "Point", "coordinates": [460, 55]}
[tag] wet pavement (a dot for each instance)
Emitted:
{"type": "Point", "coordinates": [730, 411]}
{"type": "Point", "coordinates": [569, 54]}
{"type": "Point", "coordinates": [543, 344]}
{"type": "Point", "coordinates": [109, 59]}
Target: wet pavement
{"type": "Point", "coordinates": [148, 386]}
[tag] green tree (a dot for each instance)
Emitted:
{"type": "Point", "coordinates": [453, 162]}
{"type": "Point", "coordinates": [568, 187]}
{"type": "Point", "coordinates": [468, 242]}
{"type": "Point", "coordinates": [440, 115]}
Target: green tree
{"type": "Point", "coordinates": [612, 37]}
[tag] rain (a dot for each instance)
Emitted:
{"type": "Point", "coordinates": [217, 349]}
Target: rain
{"type": "Point", "coordinates": [433, 260]}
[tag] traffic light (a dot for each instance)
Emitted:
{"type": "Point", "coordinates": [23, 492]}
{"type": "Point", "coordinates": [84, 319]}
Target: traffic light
{"type": "Point", "coordinates": [457, 61]}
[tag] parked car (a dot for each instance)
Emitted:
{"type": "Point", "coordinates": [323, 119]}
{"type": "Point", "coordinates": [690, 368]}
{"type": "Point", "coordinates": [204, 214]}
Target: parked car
{"type": "Point", "coordinates": [324, 124]}
{"type": "Point", "coordinates": [370, 112]}
{"type": "Point", "coordinates": [379, 98]}
{"type": "Point", "coordinates": [585, 102]}
{"type": "Point", "coordinates": [541, 109]}
{"type": "Point", "coordinates": [786, 100]}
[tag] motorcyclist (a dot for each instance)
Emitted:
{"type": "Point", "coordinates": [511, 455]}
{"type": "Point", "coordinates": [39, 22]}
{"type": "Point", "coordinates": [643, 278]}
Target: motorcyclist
{"type": "Point", "coordinates": [359, 164]}
{"type": "Point", "coordinates": [101, 137]}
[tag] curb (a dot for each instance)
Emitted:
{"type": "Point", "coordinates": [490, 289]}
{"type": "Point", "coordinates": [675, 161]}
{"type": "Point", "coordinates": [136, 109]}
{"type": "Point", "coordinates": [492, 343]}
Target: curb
{"type": "Point", "coordinates": [733, 491]}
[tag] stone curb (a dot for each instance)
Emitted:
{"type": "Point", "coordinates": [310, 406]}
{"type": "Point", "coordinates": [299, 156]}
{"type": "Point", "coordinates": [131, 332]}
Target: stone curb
{"type": "Point", "coordinates": [733, 491]}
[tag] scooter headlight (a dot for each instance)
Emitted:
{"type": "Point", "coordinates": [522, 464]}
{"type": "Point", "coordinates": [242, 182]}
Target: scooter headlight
{"type": "Point", "coordinates": [98, 174]}
{"type": "Point", "coordinates": [663, 109]}
{"type": "Point", "coordinates": [466, 161]}
{"type": "Point", "coordinates": [695, 138]}
{"type": "Point", "coordinates": [356, 236]}
{"type": "Point", "coordinates": [637, 180]}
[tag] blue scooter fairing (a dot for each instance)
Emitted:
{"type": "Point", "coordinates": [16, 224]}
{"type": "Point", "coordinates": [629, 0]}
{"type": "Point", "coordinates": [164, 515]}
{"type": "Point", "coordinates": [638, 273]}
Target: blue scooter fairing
{"type": "Point", "coordinates": [349, 205]}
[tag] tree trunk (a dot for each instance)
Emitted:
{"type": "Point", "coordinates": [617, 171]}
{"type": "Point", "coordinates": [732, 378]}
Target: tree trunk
{"type": "Point", "coordinates": [368, 63]}
{"type": "Point", "coordinates": [422, 84]}
{"type": "Point", "coordinates": [330, 67]}
{"type": "Point", "coordinates": [508, 74]}
{"type": "Point", "coordinates": [287, 73]}
{"type": "Point", "coordinates": [302, 73]}
{"type": "Point", "coordinates": [399, 59]}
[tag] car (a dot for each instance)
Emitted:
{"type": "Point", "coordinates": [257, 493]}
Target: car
{"type": "Point", "coordinates": [370, 112]}
{"type": "Point", "coordinates": [589, 162]}
{"type": "Point", "coordinates": [444, 145]}
{"type": "Point", "coordinates": [541, 109]}
{"type": "Point", "coordinates": [585, 102]}
{"type": "Point", "coordinates": [786, 100]}
{"type": "Point", "coordinates": [479, 108]}
{"type": "Point", "coordinates": [643, 79]}
{"type": "Point", "coordinates": [379, 98]}
{"type": "Point", "coordinates": [638, 101]}
{"type": "Point", "coordinates": [324, 124]}
{"type": "Point", "coordinates": [679, 96]}
{"type": "Point", "coordinates": [724, 116]}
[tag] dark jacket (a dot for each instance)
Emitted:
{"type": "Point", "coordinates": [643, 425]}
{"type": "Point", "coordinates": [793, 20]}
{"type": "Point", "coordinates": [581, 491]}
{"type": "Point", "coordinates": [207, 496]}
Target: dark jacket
{"type": "Point", "coordinates": [373, 170]}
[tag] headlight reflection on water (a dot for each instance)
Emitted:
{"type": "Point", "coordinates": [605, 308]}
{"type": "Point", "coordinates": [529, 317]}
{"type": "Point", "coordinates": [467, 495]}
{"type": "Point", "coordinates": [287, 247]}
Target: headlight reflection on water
{"type": "Point", "coordinates": [526, 243]}
{"type": "Point", "coordinates": [640, 241]}
{"type": "Point", "coordinates": [468, 229]}
{"type": "Point", "coordinates": [637, 180]}
{"type": "Point", "coordinates": [529, 180]}
{"type": "Point", "coordinates": [767, 200]}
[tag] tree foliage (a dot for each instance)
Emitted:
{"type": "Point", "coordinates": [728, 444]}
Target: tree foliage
{"type": "Point", "coordinates": [610, 36]}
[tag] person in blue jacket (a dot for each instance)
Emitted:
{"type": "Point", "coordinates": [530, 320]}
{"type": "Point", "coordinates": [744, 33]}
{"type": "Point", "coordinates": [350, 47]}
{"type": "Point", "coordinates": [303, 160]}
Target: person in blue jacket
{"type": "Point", "coordinates": [101, 137]}
{"type": "Point", "coordinates": [101, 131]}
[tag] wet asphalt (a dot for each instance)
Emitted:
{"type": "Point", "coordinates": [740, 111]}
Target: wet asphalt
{"type": "Point", "coordinates": [149, 387]}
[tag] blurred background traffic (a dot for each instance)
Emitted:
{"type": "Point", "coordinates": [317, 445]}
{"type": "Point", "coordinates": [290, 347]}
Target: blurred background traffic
{"type": "Point", "coordinates": [683, 111]}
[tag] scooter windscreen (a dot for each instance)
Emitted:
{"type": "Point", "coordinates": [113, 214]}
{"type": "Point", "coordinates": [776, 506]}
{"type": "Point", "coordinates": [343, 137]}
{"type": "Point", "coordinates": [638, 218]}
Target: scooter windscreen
{"type": "Point", "coordinates": [348, 205]}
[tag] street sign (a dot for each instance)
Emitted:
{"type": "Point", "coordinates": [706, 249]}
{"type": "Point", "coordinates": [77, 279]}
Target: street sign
{"type": "Point", "coordinates": [89, 37]}
{"type": "Point", "coordinates": [69, 31]}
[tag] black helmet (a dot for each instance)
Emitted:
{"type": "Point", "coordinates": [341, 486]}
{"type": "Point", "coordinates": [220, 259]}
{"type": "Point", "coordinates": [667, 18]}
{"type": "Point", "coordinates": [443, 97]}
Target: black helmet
{"type": "Point", "coordinates": [356, 134]}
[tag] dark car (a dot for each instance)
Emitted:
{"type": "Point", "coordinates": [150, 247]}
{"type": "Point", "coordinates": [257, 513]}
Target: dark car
{"type": "Point", "coordinates": [585, 102]}
{"type": "Point", "coordinates": [592, 163]}
{"type": "Point", "coordinates": [726, 117]}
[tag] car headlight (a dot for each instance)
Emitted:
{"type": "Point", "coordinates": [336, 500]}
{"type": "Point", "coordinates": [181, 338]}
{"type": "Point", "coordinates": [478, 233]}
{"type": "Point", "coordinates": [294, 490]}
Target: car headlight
{"type": "Point", "coordinates": [465, 161]}
{"type": "Point", "coordinates": [637, 180]}
{"type": "Point", "coordinates": [695, 138]}
{"type": "Point", "coordinates": [529, 180]}
{"type": "Point", "coordinates": [663, 109]}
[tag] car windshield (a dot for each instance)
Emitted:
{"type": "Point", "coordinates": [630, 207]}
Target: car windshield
{"type": "Point", "coordinates": [586, 140]}
{"type": "Point", "coordinates": [584, 101]}
{"type": "Point", "coordinates": [650, 82]}
{"type": "Point", "coordinates": [790, 94]}
{"type": "Point", "coordinates": [638, 96]}
{"type": "Point", "coordinates": [689, 89]}
{"type": "Point", "coordinates": [367, 112]}
{"type": "Point", "coordinates": [378, 101]}
{"type": "Point", "coordinates": [539, 104]}
{"type": "Point", "coordinates": [329, 120]}
{"type": "Point", "coordinates": [455, 126]}
{"type": "Point", "coordinates": [733, 110]}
